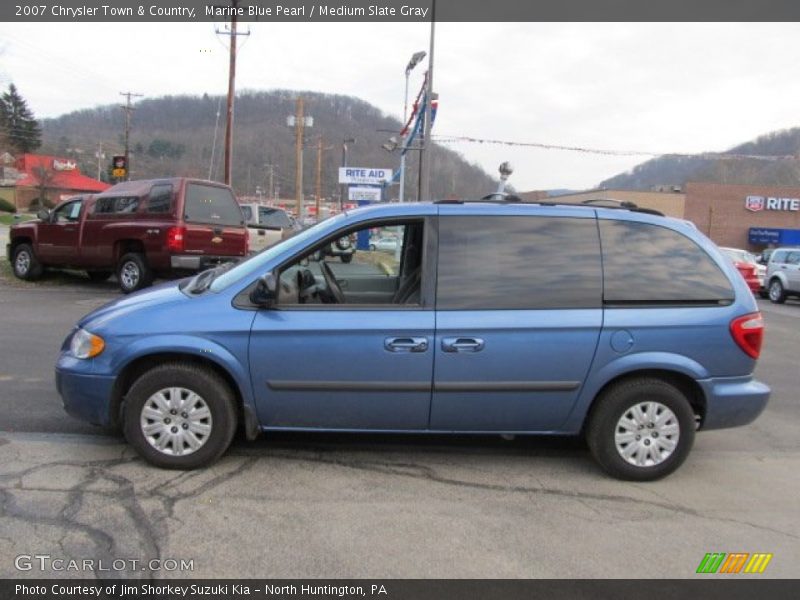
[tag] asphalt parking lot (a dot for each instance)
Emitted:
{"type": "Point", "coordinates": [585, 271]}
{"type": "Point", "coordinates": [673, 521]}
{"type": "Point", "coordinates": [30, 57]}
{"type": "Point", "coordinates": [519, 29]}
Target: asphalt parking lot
{"type": "Point", "coordinates": [378, 506]}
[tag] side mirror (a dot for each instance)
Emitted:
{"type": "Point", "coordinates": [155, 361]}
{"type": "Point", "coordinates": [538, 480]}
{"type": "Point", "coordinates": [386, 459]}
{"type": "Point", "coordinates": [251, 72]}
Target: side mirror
{"type": "Point", "coordinates": [266, 291]}
{"type": "Point", "coordinates": [43, 215]}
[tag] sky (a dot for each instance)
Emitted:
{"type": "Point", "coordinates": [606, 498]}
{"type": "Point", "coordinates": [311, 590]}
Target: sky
{"type": "Point", "coordinates": [660, 88]}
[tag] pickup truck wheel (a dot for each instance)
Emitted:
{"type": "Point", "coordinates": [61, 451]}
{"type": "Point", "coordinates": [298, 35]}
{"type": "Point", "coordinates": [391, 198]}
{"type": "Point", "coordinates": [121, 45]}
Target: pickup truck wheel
{"type": "Point", "coordinates": [99, 275]}
{"type": "Point", "coordinates": [641, 429]}
{"type": "Point", "coordinates": [180, 416]}
{"type": "Point", "coordinates": [26, 265]}
{"type": "Point", "coordinates": [133, 273]}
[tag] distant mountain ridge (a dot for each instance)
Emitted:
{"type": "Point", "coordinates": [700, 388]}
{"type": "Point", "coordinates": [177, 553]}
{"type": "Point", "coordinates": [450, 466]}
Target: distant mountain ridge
{"type": "Point", "coordinates": [174, 135]}
{"type": "Point", "coordinates": [677, 170]}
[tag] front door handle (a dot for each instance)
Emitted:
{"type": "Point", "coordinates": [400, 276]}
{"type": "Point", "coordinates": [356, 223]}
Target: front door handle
{"type": "Point", "coordinates": [462, 344]}
{"type": "Point", "coordinates": [406, 344]}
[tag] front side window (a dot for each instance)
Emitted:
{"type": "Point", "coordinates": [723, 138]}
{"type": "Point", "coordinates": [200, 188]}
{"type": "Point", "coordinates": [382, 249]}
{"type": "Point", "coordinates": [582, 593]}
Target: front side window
{"type": "Point", "coordinates": [354, 269]}
{"type": "Point", "coordinates": [518, 263]}
{"type": "Point", "coordinates": [211, 205]}
{"type": "Point", "coordinates": [69, 213]}
{"type": "Point", "coordinates": [649, 264]}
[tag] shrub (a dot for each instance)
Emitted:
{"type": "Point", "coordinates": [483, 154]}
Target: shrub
{"type": "Point", "coordinates": [6, 206]}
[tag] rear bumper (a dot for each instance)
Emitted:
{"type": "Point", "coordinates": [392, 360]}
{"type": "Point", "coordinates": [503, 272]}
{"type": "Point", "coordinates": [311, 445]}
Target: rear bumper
{"type": "Point", "coordinates": [190, 262]}
{"type": "Point", "coordinates": [733, 401]}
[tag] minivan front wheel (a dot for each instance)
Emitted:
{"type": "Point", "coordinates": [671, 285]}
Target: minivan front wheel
{"type": "Point", "coordinates": [641, 429]}
{"type": "Point", "coordinates": [777, 294]}
{"type": "Point", "coordinates": [180, 416]}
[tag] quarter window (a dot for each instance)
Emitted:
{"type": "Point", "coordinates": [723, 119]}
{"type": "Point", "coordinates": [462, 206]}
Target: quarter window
{"type": "Point", "coordinates": [649, 264]}
{"type": "Point", "coordinates": [160, 200]}
{"type": "Point", "coordinates": [518, 262]}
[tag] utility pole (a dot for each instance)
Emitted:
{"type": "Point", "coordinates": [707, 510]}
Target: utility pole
{"type": "Point", "coordinates": [100, 156]}
{"type": "Point", "coordinates": [299, 121]}
{"type": "Point", "coordinates": [271, 188]}
{"type": "Point", "coordinates": [231, 90]}
{"type": "Point", "coordinates": [128, 108]}
{"type": "Point", "coordinates": [319, 174]}
{"type": "Point", "coordinates": [298, 129]}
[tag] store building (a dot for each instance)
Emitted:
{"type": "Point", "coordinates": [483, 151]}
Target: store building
{"type": "Point", "coordinates": [35, 175]}
{"type": "Point", "coordinates": [753, 217]}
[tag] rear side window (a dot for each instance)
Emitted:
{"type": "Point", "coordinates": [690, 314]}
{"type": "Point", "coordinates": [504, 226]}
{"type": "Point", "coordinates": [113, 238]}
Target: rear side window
{"type": "Point", "coordinates": [273, 217]}
{"type": "Point", "coordinates": [648, 264]}
{"type": "Point", "coordinates": [160, 200]}
{"type": "Point", "coordinates": [211, 205]}
{"type": "Point", "coordinates": [518, 263]}
{"type": "Point", "coordinates": [114, 205]}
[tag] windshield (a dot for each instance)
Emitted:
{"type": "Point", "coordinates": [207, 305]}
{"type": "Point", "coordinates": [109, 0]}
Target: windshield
{"type": "Point", "coordinates": [254, 266]}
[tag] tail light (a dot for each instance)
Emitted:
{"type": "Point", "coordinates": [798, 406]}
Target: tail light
{"type": "Point", "coordinates": [748, 333]}
{"type": "Point", "coordinates": [176, 239]}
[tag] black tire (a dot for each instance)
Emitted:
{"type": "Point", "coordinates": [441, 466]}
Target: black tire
{"type": "Point", "coordinates": [25, 264]}
{"type": "Point", "coordinates": [619, 401]}
{"type": "Point", "coordinates": [346, 258]}
{"type": "Point", "coordinates": [777, 295]}
{"type": "Point", "coordinates": [372, 247]}
{"type": "Point", "coordinates": [212, 390]}
{"type": "Point", "coordinates": [133, 273]}
{"type": "Point", "coordinates": [99, 276]}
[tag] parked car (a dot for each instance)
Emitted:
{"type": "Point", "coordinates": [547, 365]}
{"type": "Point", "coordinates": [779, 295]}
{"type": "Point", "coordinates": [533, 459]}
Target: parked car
{"type": "Point", "coordinates": [750, 267]}
{"type": "Point", "coordinates": [383, 244]}
{"type": "Point", "coordinates": [137, 229]}
{"type": "Point", "coordinates": [503, 318]}
{"type": "Point", "coordinates": [266, 225]}
{"type": "Point", "coordinates": [783, 274]}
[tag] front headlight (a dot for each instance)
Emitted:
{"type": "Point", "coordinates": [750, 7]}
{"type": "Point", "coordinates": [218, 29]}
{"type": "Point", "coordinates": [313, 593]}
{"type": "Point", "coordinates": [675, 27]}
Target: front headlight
{"type": "Point", "coordinates": [86, 345]}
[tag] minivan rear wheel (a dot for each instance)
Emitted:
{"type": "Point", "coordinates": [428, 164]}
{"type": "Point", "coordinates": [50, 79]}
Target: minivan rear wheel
{"type": "Point", "coordinates": [133, 273]}
{"type": "Point", "coordinates": [641, 429]}
{"type": "Point", "coordinates": [180, 416]}
{"type": "Point", "coordinates": [777, 295]}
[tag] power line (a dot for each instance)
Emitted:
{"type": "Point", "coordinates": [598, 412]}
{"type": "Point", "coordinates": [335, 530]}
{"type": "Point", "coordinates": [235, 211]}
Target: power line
{"type": "Point", "coordinates": [452, 139]}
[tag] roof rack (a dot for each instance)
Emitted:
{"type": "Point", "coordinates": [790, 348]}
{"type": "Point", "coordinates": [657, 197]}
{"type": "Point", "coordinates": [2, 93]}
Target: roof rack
{"type": "Point", "coordinates": [506, 198]}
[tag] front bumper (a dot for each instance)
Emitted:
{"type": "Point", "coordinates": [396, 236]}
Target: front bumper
{"type": "Point", "coordinates": [733, 401]}
{"type": "Point", "coordinates": [85, 396]}
{"type": "Point", "coordinates": [192, 262]}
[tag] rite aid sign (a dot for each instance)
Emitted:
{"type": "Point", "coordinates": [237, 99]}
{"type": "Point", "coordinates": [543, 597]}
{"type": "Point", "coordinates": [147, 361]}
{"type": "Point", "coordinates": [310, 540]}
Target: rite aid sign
{"type": "Point", "coordinates": [758, 203]}
{"type": "Point", "coordinates": [359, 176]}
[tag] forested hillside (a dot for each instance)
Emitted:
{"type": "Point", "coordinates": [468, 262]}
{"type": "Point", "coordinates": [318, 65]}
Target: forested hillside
{"type": "Point", "coordinates": [174, 135]}
{"type": "Point", "coordinates": [677, 170]}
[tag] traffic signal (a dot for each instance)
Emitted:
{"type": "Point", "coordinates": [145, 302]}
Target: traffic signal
{"type": "Point", "coordinates": [119, 166]}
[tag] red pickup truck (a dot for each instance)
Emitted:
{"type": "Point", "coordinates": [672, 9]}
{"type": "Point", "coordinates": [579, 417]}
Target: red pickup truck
{"type": "Point", "coordinates": [136, 229]}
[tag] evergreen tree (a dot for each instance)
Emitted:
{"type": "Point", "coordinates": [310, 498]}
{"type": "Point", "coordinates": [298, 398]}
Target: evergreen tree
{"type": "Point", "coordinates": [22, 130]}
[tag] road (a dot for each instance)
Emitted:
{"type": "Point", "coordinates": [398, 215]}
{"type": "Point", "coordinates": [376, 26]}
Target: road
{"type": "Point", "coordinates": [380, 506]}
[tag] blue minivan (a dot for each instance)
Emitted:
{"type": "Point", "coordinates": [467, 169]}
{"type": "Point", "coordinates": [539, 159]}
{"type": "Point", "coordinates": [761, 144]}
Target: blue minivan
{"type": "Point", "coordinates": [623, 326]}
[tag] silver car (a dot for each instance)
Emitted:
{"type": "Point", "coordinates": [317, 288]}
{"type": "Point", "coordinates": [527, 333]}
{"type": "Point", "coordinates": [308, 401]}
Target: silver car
{"type": "Point", "coordinates": [783, 274]}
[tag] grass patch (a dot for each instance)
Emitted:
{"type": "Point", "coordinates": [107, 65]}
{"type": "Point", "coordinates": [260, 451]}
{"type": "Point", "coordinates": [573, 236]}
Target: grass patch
{"type": "Point", "coordinates": [8, 219]}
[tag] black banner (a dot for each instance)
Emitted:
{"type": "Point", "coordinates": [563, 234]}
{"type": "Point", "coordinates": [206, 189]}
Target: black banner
{"type": "Point", "coordinates": [708, 588]}
{"type": "Point", "coordinates": [276, 11]}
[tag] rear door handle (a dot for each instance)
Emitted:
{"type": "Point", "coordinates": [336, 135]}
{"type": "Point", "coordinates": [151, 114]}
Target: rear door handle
{"type": "Point", "coordinates": [406, 344]}
{"type": "Point", "coordinates": [462, 344]}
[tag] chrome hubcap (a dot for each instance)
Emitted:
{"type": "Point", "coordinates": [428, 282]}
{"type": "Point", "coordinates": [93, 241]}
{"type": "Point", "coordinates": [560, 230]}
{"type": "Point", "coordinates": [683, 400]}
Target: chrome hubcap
{"type": "Point", "coordinates": [176, 421]}
{"type": "Point", "coordinates": [23, 262]}
{"type": "Point", "coordinates": [129, 274]}
{"type": "Point", "coordinates": [647, 434]}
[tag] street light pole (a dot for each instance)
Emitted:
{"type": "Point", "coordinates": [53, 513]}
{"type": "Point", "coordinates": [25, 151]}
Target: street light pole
{"type": "Point", "coordinates": [415, 59]}
{"type": "Point", "coordinates": [425, 153]}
